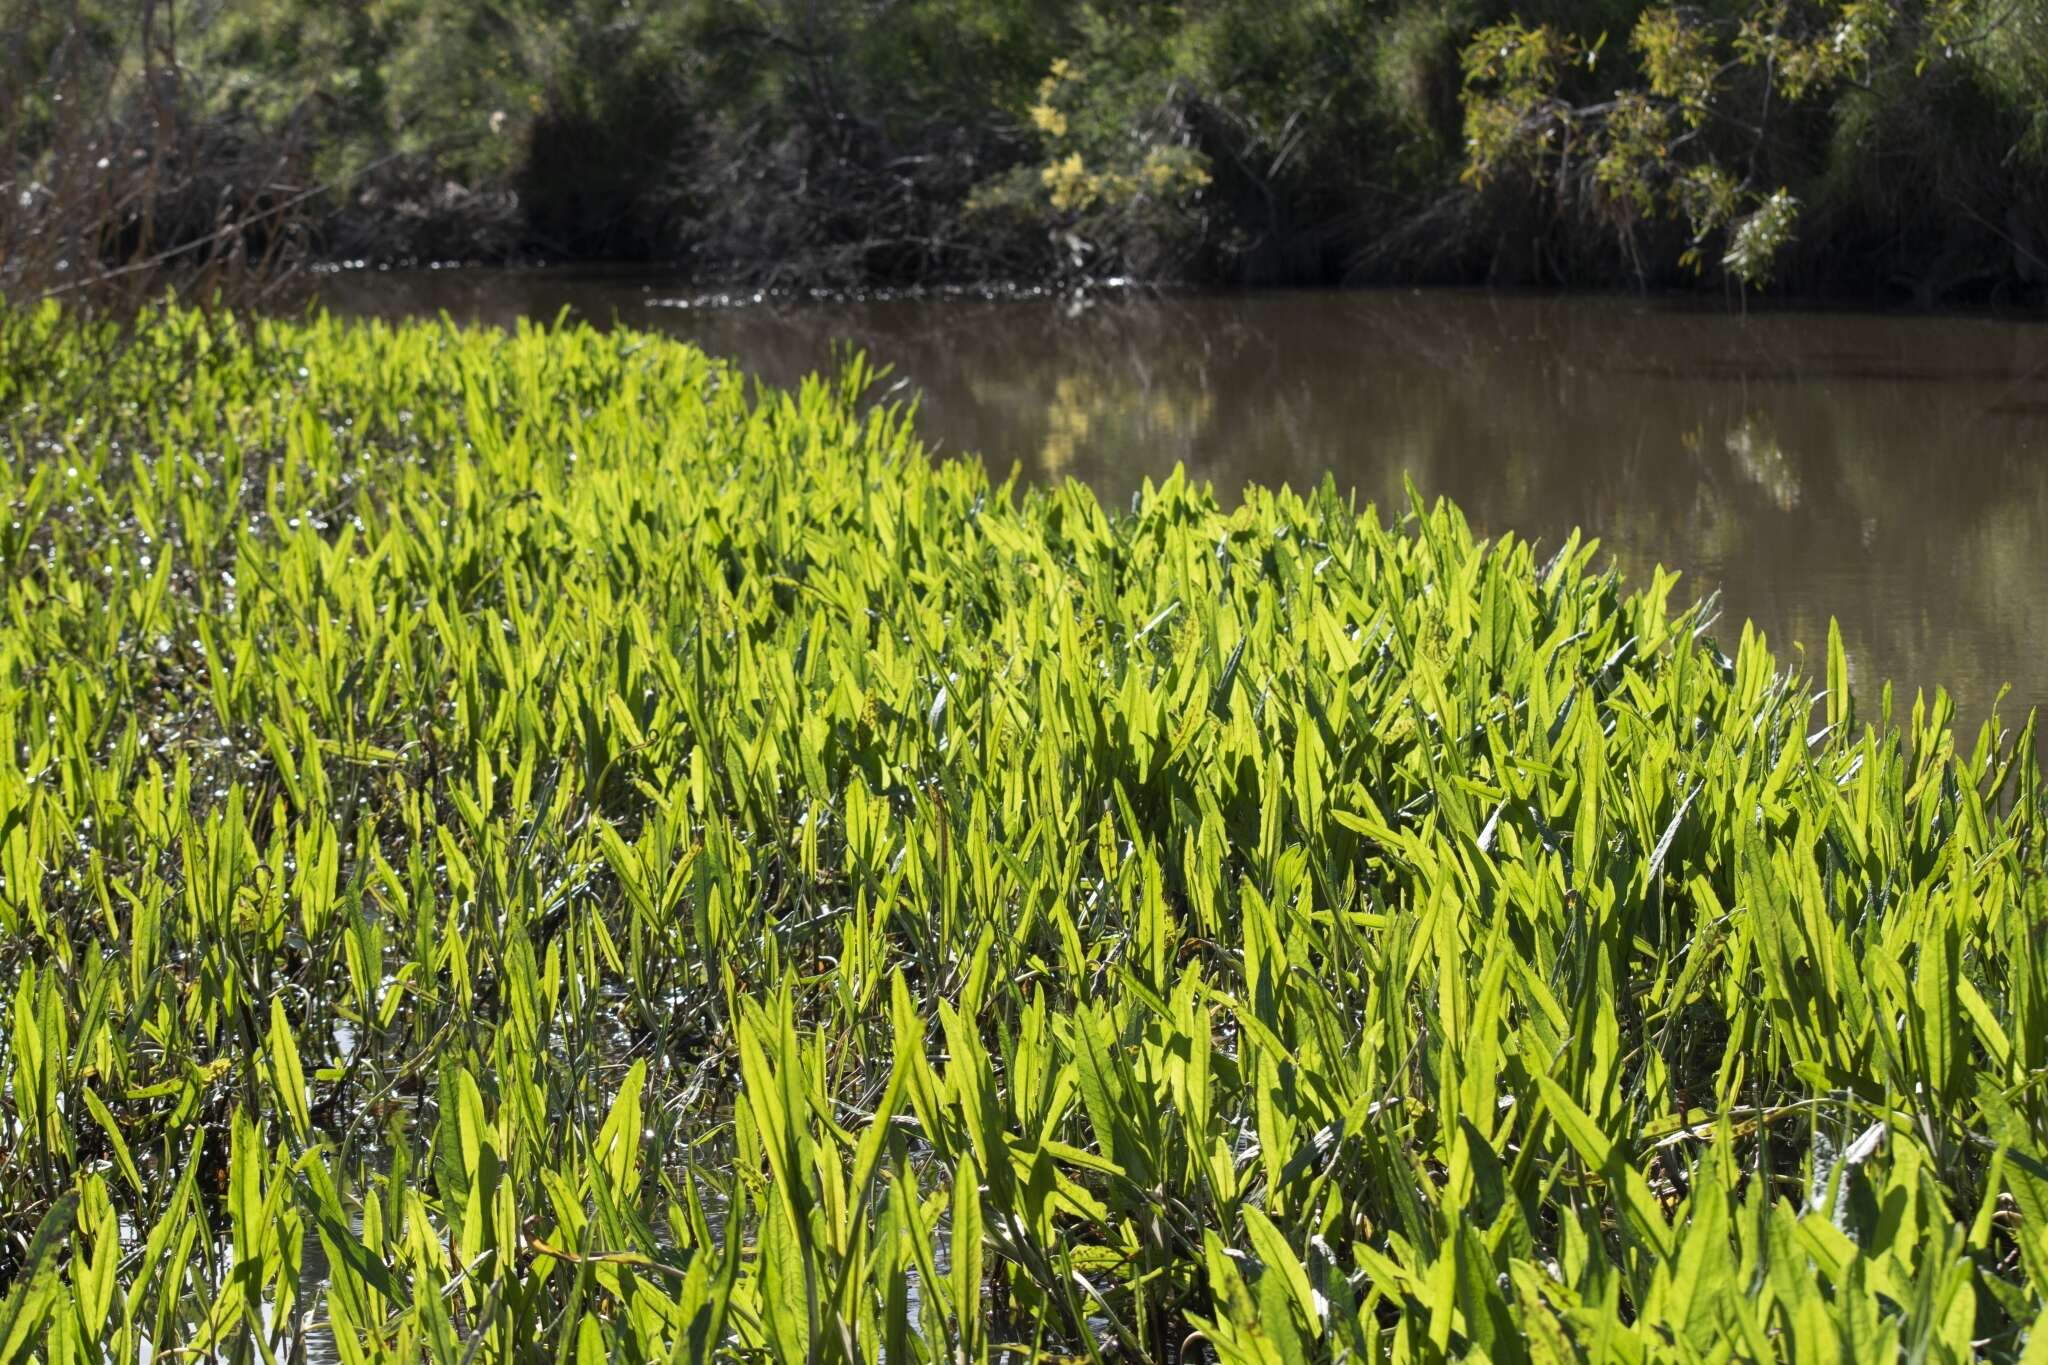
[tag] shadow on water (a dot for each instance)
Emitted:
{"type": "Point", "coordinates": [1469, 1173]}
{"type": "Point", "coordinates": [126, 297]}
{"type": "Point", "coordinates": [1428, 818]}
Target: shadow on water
{"type": "Point", "coordinates": [1892, 472]}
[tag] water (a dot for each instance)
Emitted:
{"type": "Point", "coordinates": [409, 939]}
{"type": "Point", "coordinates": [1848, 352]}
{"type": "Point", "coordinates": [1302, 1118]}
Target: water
{"type": "Point", "coordinates": [1889, 471]}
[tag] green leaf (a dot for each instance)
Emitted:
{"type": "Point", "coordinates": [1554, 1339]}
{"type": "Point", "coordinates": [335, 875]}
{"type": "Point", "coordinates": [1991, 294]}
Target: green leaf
{"type": "Point", "coordinates": [288, 1079]}
{"type": "Point", "coordinates": [1279, 1261]}
{"type": "Point", "coordinates": [36, 1291]}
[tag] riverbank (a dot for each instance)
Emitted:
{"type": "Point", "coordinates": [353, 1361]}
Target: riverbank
{"type": "Point", "coordinates": [1887, 468]}
{"type": "Point", "coordinates": [1895, 150]}
{"type": "Point", "coordinates": [637, 865]}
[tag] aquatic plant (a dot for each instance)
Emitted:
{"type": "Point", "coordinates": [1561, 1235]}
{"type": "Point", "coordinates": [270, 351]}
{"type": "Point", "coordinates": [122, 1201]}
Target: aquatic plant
{"type": "Point", "coordinates": [516, 847]}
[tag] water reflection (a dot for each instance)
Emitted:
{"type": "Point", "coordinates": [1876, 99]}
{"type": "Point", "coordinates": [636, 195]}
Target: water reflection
{"type": "Point", "coordinates": [1892, 472]}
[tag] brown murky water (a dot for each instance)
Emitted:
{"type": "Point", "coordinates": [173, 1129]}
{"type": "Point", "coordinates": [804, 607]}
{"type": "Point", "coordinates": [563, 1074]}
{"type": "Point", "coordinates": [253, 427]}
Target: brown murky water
{"type": "Point", "coordinates": [1889, 471]}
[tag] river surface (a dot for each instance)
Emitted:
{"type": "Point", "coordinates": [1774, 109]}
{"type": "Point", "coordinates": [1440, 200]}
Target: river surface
{"type": "Point", "coordinates": [1889, 471]}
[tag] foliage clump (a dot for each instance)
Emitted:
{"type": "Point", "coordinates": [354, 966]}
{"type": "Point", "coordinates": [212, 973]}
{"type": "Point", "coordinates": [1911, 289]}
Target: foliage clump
{"type": "Point", "coordinates": [1700, 126]}
{"type": "Point", "coordinates": [514, 845]}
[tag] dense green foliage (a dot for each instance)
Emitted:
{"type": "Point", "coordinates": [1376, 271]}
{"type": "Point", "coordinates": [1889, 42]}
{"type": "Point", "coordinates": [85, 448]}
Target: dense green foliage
{"type": "Point", "coordinates": [514, 847]}
{"type": "Point", "coordinates": [1871, 145]}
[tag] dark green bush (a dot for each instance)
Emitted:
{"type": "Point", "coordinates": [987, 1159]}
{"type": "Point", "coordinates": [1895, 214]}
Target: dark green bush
{"type": "Point", "coordinates": [1829, 145]}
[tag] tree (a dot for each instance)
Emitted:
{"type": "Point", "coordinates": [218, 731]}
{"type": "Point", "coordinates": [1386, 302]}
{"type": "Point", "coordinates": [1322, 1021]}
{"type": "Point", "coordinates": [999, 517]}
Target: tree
{"type": "Point", "coordinates": [1715, 109]}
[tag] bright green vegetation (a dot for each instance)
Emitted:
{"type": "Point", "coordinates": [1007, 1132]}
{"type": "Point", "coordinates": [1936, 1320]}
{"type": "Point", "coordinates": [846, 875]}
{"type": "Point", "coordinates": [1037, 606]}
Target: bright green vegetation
{"type": "Point", "coordinates": [516, 848]}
